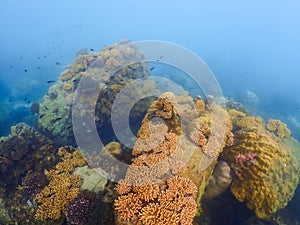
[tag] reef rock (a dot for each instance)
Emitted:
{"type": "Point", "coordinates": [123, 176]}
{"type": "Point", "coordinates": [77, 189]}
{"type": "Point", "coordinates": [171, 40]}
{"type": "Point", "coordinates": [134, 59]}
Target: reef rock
{"type": "Point", "coordinates": [219, 182]}
{"type": "Point", "coordinates": [102, 75]}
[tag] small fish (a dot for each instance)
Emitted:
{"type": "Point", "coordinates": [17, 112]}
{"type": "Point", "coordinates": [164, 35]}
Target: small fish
{"type": "Point", "coordinates": [25, 99]}
{"type": "Point", "coordinates": [57, 63]}
{"type": "Point", "coordinates": [41, 116]}
{"type": "Point", "coordinates": [58, 118]}
{"type": "Point", "coordinates": [25, 70]}
{"type": "Point", "coordinates": [92, 50]}
{"type": "Point", "coordinates": [38, 57]}
{"type": "Point", "coordinates": [10, 100]}
{"type": "Point", "coordinates": [45, 56]}
{"type": "Point", "coordinates": [45, 107]}
{"type": "Point", "coordinates": [11, 66]}
{"type": "Point", "coordinates": [28, 102]}
{"type": "Point", "coordinates": [38, 67]}
{"type": "Point", "coordinates": [68, 127]}
{"type": "Point", "coordinates": [159, 58]}
{"type": "Point", "coordinates": [152, 68]}
{"type": "Point", "coordinates": [50, 81]}
{"type": "Point", "coordinates": [21, 57]}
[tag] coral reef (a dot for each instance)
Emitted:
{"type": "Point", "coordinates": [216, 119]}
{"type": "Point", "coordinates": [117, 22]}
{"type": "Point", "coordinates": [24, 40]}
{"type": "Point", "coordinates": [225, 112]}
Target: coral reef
{"type": "Point", "coordinates": [24, 155]}
{"type": "Point", "coordinates": [63, 186]}
{"type": "Point", "coordinates": [266, 173]}
{"type": "Point", "coordinates": [277, 127]}
{"type": "Point", "coordinates": [163, 185]}
{"type": "Point", "coordinates": [103, 73]}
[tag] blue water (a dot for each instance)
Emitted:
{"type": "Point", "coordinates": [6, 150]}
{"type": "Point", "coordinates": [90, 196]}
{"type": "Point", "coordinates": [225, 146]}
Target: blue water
{"type": "Point", "coordinates": [249, 45]}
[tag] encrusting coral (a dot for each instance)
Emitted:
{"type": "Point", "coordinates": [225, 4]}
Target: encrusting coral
{"type": "Point", "coordinates": [279, 128]}
{"type": "Point", "coordinates": [266, 174]}
{"type": "Point", "coordinates": [63, 186]}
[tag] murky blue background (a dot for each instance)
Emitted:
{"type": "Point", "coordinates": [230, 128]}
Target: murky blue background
{"type": "Point", "coordinates": [252, 46]}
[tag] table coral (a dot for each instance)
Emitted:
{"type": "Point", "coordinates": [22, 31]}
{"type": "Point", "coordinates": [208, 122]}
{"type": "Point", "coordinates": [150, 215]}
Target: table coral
{"type": "Point", "coordinates": [266, 174]}
{"type": "Point", "coordinates": [63, 186]}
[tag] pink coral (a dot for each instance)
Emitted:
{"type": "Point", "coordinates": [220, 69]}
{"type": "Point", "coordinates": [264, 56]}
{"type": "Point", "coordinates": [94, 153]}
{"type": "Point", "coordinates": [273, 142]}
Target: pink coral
{"type": "Point", "coordinates": [245, 159]}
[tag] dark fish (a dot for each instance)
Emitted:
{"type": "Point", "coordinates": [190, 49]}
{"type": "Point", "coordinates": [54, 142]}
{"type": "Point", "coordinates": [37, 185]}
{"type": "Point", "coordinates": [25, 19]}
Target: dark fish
{"type": "Point", "coordinates": [25, 70]}
{"type": "Point", "coordinates": [25, 99]}
{"type": "Point", "coordinates": [57, 63]}
{"type": "Point", "coordinates": [159, 58]}
{"type": "Point", "coordinates": [28, 102]}
{"type": "Point", "coordinates": [50, 81]}
{"type": "Point", "coordinates": [152, 68]}
{"type": "Point", "coordinates": [41, 116]}
{"type": "Point", "coordinates": [10, 100]}
{"type": "Point", "coordinates": [45, 107]}
{"type": "Point", "coordinates": [11, 66]}
{"type": "Point", "coordinates": [92, 50]}
{"type": "Point", "coordinates": [38, 67]}
{"type": "Point", "coordinates": [58, 118]}
{"type": "Point", "coordinates": [21, 57]}
{"type": "Point", "coordinates": [45, 56]}
{"type": "Point", "coordinates": [38, 57]}
{"type": "Point", "coordinates": [68, 127]}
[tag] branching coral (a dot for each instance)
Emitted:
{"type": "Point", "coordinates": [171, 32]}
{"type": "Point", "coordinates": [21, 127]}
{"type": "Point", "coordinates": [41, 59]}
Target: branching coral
{"type": "Point", "coordinates": [154, 190]}
{"type": "Point", "coordinates": [163, 185]}
{"type": "Point", "coordinates": [63, 186]}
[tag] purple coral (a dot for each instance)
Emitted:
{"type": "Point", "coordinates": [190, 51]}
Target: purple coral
{"type": "Point", "coordinates": [33, 183]}
{"type": "Point", "coordinates": [78, 211]}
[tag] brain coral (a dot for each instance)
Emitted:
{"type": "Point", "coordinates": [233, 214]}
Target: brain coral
{"type": "Point", "coordinates": [266, 175]}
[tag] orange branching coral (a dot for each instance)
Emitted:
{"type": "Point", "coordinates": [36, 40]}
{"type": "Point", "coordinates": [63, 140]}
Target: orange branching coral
{"type": "Point", "coordinates": [278, 127]}
{"type": "Point", "coordinates": [170, 203]}
{"type": "Point", "coordinates": [164, 108]}
{"type": "Point", "coordinates": [155, 214]}
{"type": "Point", "coordinates": [128, 206]}
{"type": "Point", "coordinates": [63, 186]}
{"type": "Point", "coordinates": [145, 196]}
{"type": "Point", "coordinates": [153, 190]}
{"type": "Point", "coordinates": [165, 175]}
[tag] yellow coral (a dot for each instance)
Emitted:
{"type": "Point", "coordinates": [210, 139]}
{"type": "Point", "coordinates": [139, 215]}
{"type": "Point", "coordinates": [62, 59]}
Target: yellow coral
{"type": "Point", "coordinates": [67, 86]}
{"type": "Point", "coordinates": [266, 176]}
{"type": "Point", "coordinates": [278, 127]}
{"type": "Point", "coordinates": [62, 188]}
